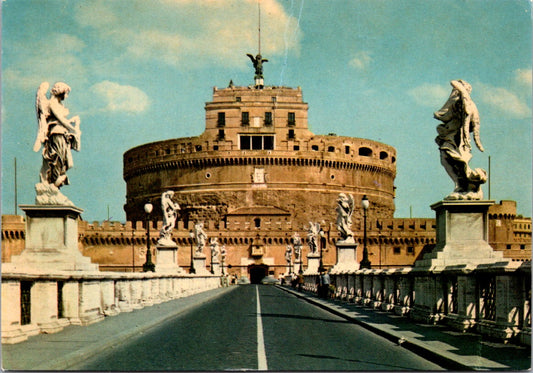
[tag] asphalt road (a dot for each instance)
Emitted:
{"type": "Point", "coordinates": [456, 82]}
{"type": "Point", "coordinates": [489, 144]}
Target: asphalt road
{"type": "Point", "coordinates": [257, 327]}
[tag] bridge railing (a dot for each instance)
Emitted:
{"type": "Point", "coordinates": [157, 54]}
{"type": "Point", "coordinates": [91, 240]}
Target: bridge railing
{"type": "Point", "coordinates": [493, 300]}
{"type": "Point", "coordinates": [46, 303]}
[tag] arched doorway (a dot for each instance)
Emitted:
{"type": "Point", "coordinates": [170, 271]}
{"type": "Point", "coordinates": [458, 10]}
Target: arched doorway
{"type": "Point", "coordinates": [257, 272]}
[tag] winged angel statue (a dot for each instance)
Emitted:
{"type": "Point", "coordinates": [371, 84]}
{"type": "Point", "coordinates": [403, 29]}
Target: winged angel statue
{"type": "Point", "coordinates": [345, 208]}
{"type": "Point", "coordinates": [57, 135]}
{"type": "Point", "coordinates": [170, 214]}
{"type": "Point", "coordinates": [460, 117]}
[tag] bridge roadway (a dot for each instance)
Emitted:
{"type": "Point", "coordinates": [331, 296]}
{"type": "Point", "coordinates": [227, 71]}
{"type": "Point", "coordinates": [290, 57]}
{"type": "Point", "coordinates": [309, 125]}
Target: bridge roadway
{"type": "Point", "coordinates": [256, 327]}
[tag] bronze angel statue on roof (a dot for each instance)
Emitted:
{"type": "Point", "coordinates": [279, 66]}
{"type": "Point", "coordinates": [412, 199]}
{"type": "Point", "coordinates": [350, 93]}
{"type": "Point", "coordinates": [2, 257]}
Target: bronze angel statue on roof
{"type": "Point", "coordinates": [460, 117]}
{"type": "Point", "coordinates": [257, 61]}
{"type": "Point", "coordinates": [57, 135]}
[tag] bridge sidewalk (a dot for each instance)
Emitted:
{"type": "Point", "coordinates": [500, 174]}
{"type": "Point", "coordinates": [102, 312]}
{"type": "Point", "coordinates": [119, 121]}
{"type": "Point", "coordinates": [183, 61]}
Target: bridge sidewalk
{"type": "Point", "coordinates": [75, 344]}
{"type": "Point", "coordinates": [450, 349]}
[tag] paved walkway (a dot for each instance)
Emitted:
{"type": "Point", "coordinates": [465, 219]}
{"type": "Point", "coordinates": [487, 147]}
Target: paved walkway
{"type": "Point", "coordinates": [450, 349]}
{"type": "Point", "coordinates": [75, 344]}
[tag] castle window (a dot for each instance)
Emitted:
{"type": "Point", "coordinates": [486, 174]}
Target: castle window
{"type": "Point", "coordinates": [268, 118]}
{"type": "Point", "coordinates": [256, 142]}
{"type": "Point", "coordinates": [291, 121]}
{"type": "Point", "coordinates": [347, 149]}
{"type": "Point", "coordinates": [215, 147]}
{"type": "Point", "coordinates": [245, 142]}
{"type": "Point", "coordinates": [314, 148]}
{"type": "Point", "coordinates": [221, 121]}
{"type": "Point", "coordinates": [383, 155]}
{"type": "Point", "coordinates": [238, 99]}
{"type": "Point", "coordinates": [268, 142]}
{"type": "Point", "coordinates": [198, 148]}
{"type": "Point", "coordinates": [508, 247]}
{"type": "Point", "coordinates": [331, 149]}
{"type": "Point", "coordinates": [522, 247]}
{"type": "Point", "coordinates": [410, 250]}
{"type": "Point", "coordinates": [257, 222]}
{"type": "Point", "coordinates": [245, 118]}
{"type": "Point", "coordinates": [397, 250]}
{"type": "Point", "coordinates": [365, 152]}
{"type": "Point", "coordinates": [291, 134]}
{"type": "Point", "coordinates": [221, 134]}
{"type": "Point", "coordinates": [296, 147]}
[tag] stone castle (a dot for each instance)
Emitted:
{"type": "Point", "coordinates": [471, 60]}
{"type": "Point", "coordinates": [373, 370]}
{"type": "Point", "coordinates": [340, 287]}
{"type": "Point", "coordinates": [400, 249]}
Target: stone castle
{"type": "Point", "coordinates": [258, 156]}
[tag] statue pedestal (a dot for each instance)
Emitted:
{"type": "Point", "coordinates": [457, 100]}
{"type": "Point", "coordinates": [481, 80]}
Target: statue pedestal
{"type": "Point", "coordinates": [217, 268]}
{"type": "Point", "coordinates": [313, 262]}
{"type": "Point", "coordinates": [51, 241]}
{"type": "Point", "coordinates": [297, 267]}
{"type": "Point", "coordinates": [199, 265]}
{"type": "Point", "coordinates": [462, 236]}
{"type": "Point", "coordinates": [167, 259]}
{"type": "Point", "coordinates": [346, 257]}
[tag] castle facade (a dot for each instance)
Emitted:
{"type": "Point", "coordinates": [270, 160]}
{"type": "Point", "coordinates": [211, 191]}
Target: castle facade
{"type": "Point", "coordinates": [257, 156]}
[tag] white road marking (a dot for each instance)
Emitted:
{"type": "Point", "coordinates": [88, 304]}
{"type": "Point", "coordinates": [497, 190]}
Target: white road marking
{"type": "Point", "coordinates": [261, 355]}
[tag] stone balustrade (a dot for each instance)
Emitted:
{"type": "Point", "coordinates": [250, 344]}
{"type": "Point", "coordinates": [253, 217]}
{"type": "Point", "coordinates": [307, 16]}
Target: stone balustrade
{"type": "Point", "coordinates": [46, 303]}
{"type": "Point", "coordinates": [493, 300]}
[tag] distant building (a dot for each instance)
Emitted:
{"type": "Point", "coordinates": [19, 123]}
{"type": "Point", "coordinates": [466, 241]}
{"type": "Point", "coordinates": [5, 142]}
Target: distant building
{"type": "Point", "coordinates": [508, 232]}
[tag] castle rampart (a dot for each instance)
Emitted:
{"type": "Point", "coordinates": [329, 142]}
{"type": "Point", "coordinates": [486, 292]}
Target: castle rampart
{"type": "Point", "coordinates": [391, 242]}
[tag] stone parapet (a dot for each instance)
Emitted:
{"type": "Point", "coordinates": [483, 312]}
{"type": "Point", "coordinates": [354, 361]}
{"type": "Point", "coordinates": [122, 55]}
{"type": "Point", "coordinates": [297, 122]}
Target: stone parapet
{"type": "Point", "coordinates": [51, 301]}
{"type": "Point", "coordinates": [493, 300]}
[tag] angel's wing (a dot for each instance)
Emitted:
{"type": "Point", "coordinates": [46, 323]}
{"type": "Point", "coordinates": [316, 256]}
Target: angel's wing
{"type": "Point", "coordinates": [351, 203]}
{"type": "Point", "coordinates": [42, 109]}
{"type": "Point", "coordinates": [251, 57]}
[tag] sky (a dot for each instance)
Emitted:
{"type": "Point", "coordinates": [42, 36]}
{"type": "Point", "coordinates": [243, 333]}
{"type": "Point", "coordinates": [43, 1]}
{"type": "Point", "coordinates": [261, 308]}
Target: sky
{"type": "Point", "coordinates": [142, 71]}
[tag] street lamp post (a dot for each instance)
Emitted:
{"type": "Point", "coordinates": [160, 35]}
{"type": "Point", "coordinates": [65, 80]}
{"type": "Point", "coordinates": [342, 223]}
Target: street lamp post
{"type": "Point", "coordinates": [322, 245]}
{"type": "Point", "coordinates": [212, 267]}
{"type": "Point", "coordinates": [148, 265]}
{"type": "Point", "coordinates": [365, 263]}
{"type": "Point", "coordinates": [222, 258]}
{"type": "Point", "coordinates": [191, 236]}
{"type": "Point", "coordinates": [133, 250]}
{"type": "Point", "coordinates": [290, 264]}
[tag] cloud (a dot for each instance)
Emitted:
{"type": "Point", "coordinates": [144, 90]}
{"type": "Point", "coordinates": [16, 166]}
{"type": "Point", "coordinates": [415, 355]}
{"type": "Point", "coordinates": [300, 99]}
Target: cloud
{"type": "Point", "coordinates": [430, 95]}
{"type": "Point", "coordinates": [523, 77]}
{"type": "Point", "coordinates": [503, 101]}
{"type": "Point", "coordinates": [190, 33]}
{"type": "Point", "coordinates": [32, 63]}
{"type": "Point", "coordinates": [120, 98]}
{"type": "Point", "coordinates": [361, 60]}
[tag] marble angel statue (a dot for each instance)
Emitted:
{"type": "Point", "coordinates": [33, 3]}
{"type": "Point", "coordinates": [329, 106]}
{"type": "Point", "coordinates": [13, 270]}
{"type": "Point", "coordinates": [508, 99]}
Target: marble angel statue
{"type": "Point", "coordinates": [200, 238]}
{"type": "Point", "coordinates": [214, 249]}
{"type": "Point", "coordinates": [460, 117]}
{"type": "Point", "coordinates": [57, 135]}
{"type": "Point", "coordinates": [345, 208]}
{"type": "Point", "coordinates": [312, 235]}
{"type": "Point", "coordinates": [297, 242]}
{"type": "Point", "coordinates": [170, 214]}
{"type": "Point", "coordinates": [288, 255]}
